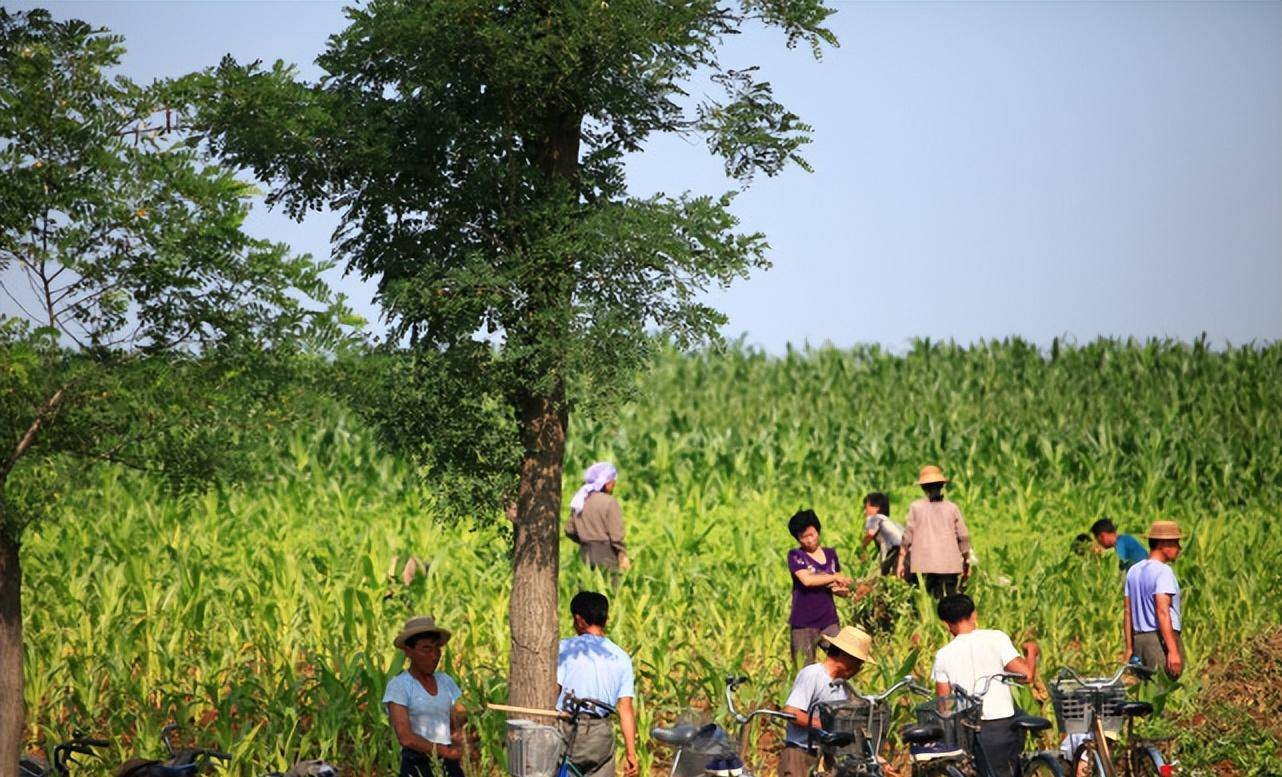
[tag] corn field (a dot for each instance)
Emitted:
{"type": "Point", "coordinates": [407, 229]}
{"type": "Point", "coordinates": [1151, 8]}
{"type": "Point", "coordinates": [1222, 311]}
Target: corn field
{"type": "Point", "coordinates": [260, 618]}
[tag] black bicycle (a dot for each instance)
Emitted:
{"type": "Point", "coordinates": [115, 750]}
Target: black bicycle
{"type": "Point", "coordinates": [945, 740]}
{"type": "Point", "coordinates": [63, 754]}
{"type": "Point", "coordinates": [181, 761]}
{"type": "Point", "coordinates": [864, 718]}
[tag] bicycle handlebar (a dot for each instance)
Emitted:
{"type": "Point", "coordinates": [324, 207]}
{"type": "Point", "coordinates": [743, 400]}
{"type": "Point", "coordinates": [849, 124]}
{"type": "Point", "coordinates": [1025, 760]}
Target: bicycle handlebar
{"type": "Point", "coordinates": [907, 681]}
{"type": "Point", "coordinates": [733, 682]}
{"type": "Point", "coordinates": [978, 695]}
{"type": "Point", "coordinates": [578, 705]}
{"type": "Point", "coordinates": [1143, 672]}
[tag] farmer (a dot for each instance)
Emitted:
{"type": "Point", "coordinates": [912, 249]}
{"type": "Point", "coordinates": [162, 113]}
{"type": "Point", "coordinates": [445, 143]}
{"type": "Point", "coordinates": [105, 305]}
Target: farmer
{"type": "Point", "coordinates": [1151, 611]}
{"type": "Point", "coordinates": [1129, 550]}
{"type": "Point", "coordinates": [590, 666]}
{"type": "Point", "coordinates": [423, 704]}
{"type": "Point", "coordinates": [879, 527]}
{"type": "Point", "coordinates": [816, 576]}
{"type": "Point", "coordinates": [935, 539]}
{"type": "Point", "coordinates": [596, 521]}
{"type": "Point", "coordinates": [972, 655]}
{"type": "Point", "coordinates": [847, 652]}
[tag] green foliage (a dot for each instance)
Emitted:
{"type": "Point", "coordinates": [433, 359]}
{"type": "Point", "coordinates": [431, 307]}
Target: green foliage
{"type": "Point", "coordinates": [266, 613]}
{"type": "Point", "coordinates": [149, 329]}
{"type": "Point", "coordinates": [476, 154]}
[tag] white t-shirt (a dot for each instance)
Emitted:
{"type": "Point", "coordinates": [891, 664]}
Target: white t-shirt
{"type": "Point", "coordinates": [889, 535]}
{"type": "Point", "coordinates": [812, 686]}
{"type": "Point", "coordinates": [971, 657]}
{"type": "Point", "coordinates": [429, 715]}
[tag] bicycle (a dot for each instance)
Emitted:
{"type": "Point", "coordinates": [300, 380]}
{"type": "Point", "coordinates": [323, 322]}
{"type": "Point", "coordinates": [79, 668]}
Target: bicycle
{"type": "Point", "coordinates": [705, 750]}
{"type": "Point", "coordinates": [536, 750]}
{"type": "Point", "coordinates": [953, 722]}
{"type": "Point", "coordinates": [182, 762]}
{"type": "Point", "coordinates": [63, 754]}
{"type": "Point", "coordinates": [1095, 708]}
{"type": "Point", "coordinates": [865, 717]}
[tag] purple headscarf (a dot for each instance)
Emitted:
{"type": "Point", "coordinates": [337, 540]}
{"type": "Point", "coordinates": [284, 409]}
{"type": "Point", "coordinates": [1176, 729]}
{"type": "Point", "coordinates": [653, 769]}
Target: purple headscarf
{"type": "Point", "coordinates": [593, 480]}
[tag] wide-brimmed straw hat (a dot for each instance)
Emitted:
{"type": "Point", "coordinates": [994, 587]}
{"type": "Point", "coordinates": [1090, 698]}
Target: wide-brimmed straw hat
{"type": "Point", "coordinates": [931, 474]}
{"type": "Point", "coordinates": [852, 640]}
{"type": "Point", "coordinates": [421, 624]}
{"type": "Point", "coordinates": [1165, 530]}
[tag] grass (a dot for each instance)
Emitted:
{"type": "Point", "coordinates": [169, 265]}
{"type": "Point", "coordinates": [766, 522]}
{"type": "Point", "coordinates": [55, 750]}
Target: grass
{"type": "Point", "coordinates": [262, 617]}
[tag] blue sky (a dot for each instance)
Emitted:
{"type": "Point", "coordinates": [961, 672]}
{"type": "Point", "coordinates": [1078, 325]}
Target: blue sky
{"type": "Point", "coordinates": [982, 170]}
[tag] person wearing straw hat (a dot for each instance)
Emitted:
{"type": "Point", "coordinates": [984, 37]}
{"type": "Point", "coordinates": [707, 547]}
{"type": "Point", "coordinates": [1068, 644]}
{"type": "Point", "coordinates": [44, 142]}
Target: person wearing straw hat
{"type": "Point", "coordinates": [596, 520]}
{"type": "Point", "coordinates": [972, 655]}
{"type": "Point", "coordinates": [1151, 603]}
{"type": "Point", "coordinates": [936, 541]}
{"type": "Point", "coordinates": [423, 704]}
{"type": "Point", "coordinates": [847, 652]}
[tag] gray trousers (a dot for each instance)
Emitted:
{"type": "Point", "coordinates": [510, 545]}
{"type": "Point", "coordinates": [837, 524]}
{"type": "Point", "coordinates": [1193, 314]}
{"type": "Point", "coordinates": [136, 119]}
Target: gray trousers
{"type": "Point", "coordinates": [804, 642]}
{"type": "Point", "coordinates": [1152, 653]}
{"type": "Point", "coordinates": [593, 752]}
{"type": "Point", "coordinates": [1000, 745]}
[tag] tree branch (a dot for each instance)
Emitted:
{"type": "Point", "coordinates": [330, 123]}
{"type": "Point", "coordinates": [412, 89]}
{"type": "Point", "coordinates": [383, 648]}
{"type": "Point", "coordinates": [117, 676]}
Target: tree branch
{"type": "Point", "coordinates": [47, 409]}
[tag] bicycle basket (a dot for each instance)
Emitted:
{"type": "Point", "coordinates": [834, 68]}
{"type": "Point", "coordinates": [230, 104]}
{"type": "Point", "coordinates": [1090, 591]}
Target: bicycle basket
{"type": "Point", "coordinates": [955, 715]}
{"type": "Point", "coordinates": [1075, 704]}
{"type": "Point", "coordinates": [533, 750]}
{"type": "Point", "coordinates": [868, 722]}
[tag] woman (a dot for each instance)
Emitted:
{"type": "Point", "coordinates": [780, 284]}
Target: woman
{"type": "Point", "coordinates": [596, 521]}
{"type": "Point", "coordinates": [423, 704]}
{"type": "Point", "coordinates": [936, 540]}
{"type": "Point", "coordinates": [879, 527]}
{"type": "Point", "coordinates": [816, 576]}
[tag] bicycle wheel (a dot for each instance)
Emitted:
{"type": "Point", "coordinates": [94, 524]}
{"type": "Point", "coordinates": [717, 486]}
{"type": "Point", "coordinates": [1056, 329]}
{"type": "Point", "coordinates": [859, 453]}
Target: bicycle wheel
{"type": "Point", "coordinates": [1087, 762]}
{"type": "Point", "coordinates": [1144, 761]}
{"type": "Point", "coordinates": [1043, 765]}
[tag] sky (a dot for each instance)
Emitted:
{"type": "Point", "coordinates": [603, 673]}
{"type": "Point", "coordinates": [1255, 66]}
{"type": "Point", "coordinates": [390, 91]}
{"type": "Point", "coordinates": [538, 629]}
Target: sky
{"type": "Point", "coordinates": [981, 170]}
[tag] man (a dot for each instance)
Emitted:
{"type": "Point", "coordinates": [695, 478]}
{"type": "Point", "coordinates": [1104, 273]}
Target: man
{"type": "Point", "coordinates": [879, 528]}
{"type": "Point", "coordinates": [972, 655]}
{"type": "Point", "coordinates": [1151, 612]}
{"type": "Point", "coordinates": [935, 539]}
{"type": "Point", "coordinates": [596, 520]}
{"type": "Point", "coordinates": [1129, 550]}
{"type": "Point", "coordinates": [847, 652]}
{"type": "Point", "coordinates": [590, 666]}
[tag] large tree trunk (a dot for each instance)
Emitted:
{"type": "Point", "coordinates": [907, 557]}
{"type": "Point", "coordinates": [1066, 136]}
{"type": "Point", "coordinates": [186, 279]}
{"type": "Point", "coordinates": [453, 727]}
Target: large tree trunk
{"type": "Point", "coordinates": [532, 610]}
{"type": "Point", "coordinates": [11, 701]}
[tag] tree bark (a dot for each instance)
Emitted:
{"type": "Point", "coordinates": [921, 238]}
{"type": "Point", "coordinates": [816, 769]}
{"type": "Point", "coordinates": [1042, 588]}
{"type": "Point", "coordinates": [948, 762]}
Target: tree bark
{"type": "Point", "coordinates": [12, 711]}
{"type": "Point", "coordinates": [532, 609]}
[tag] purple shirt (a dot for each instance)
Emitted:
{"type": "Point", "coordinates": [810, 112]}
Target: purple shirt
{"type": "Point", "coordinates": [812, 608]}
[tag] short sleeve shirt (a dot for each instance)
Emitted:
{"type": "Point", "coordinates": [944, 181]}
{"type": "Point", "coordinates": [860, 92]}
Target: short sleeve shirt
{"type": "Point", "coordinates": [1129, 551]}
{"type": "Point", "coordinates": [889, 534]}
{"type": "Point", "coordinates": [429, 714]}
{"type": "Point", "coordinates": [971, 657]}
{"type": "Point", "coordinates": [812, 686]}
{"type": "Point", "coordinates": [593, 667]}
{"type": "Point", "coordinates": [812, 608]}
{"type": "Point", "coordinates": [1144, 582]}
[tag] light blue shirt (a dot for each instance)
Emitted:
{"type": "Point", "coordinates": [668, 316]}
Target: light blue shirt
{"type": "Point", "coordinates": [593, 667]}
{"type": "Point", "coordinates": [812, 686]}
{"type": "Point", "coordinates": [1144, 581]}
{"type": "Point", "coordinates": [429, 715]}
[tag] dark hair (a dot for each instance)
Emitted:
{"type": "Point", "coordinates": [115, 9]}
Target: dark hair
{"type": "Point", "coordinates": [1080, 543]}
{"type": "Point", "coordinates": [881, 500]}
{"type": "Point", "coordinates": [802, 520]}
{"type": "Point", "coordinates": [835, 652]}
{"type": "Point", "coordinates": [591, 606]}
{"type": "Point", "coordinates": [1103, 525]}
{"type": "Point", "coordinates": [955, 608]}
{"type": "Point", "coordinates": [419, 637]}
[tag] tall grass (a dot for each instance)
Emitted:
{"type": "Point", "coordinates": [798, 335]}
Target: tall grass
{"type": "Point", "coordinates": [262, 617]}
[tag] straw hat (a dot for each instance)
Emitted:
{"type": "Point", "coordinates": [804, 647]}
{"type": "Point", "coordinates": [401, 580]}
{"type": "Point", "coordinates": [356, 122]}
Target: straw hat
{"type": "Point", "coordinates": [1165, 530]}
{"type": "Point", "coordinates": [931, 474]}
{"type": "Point", "coordinates": [852, 640]}
{"type": "Point", "coordinates": [421, 624]}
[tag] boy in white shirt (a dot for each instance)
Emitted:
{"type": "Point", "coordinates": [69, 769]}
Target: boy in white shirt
{"type": "Point", "coordinates": [972, 655]}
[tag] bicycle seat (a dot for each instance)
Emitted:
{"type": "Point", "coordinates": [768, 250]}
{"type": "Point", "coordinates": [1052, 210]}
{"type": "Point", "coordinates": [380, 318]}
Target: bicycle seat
{"type": "Point", "coordinates": [677, 736]}
{"type": "Point", "coordinates": [834, 738]}
{"type": "Point", "coordinates": [1030, 723]}
{"type": "Point", "coordinates": [920, 735]}
{"type": "Point", "coordinates": [140, 768]}
{"type": "Point", "coordinates": [1136, 708]}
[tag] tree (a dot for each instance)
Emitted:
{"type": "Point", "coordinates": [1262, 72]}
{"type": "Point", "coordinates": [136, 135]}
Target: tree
{"type": "Point", "coordinates": [146, 328]}
{"type": "Point", "coordinates": [475, 151]}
